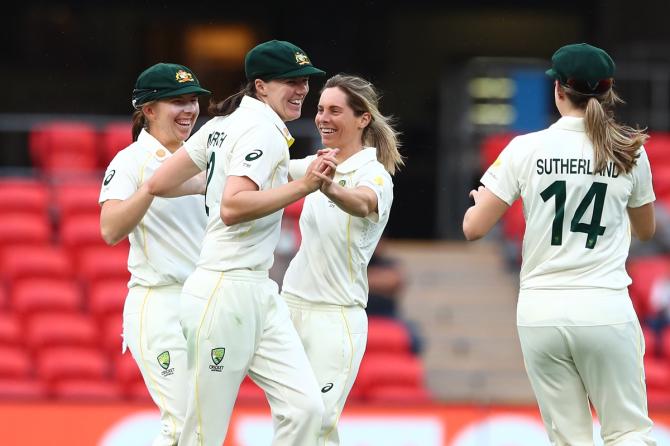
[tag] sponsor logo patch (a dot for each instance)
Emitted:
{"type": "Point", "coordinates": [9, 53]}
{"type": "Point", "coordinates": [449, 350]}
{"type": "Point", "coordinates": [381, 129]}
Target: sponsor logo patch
{"type": "Point", "coordinates": [217, 356]}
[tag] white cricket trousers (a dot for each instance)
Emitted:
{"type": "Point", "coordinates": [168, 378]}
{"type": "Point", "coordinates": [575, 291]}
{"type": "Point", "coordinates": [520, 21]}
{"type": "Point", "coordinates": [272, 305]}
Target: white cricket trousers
{"type": "Point", "coordinates": [570, 365]}
{"type": "Point", "coordinates": [152, 331]}
{"type": "Point", "coordinates": [236, 323]}
{"type": "Point", "coordinates": [334, 338]}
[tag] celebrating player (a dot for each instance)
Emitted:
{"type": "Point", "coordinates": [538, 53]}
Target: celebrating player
{"type": "Point", "coordinates": [326, 285]}
{"type": "Point", "coordinates": [585, 183]}
{"type": "Point", "coordinates": [165, 235]}
{"type": "Point", "coordinates": [233, 317]}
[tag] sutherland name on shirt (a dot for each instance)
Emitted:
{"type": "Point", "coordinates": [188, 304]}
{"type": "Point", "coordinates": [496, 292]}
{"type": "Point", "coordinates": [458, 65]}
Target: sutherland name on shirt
{"type": "Point", "coordinates": [575, 166]}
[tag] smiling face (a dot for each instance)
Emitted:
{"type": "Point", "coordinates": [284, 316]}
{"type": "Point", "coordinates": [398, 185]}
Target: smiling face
{"type": "Point", "coordinates": [337, 123]}
{"type": "Point", "coordinates": [171, 120]}
{"type": "Point", "coordinates": [284, 96]}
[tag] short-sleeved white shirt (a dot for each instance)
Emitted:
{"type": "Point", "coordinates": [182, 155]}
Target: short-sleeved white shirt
{"type": "Point", "coordinates": [586, 244]}
{"type": "Point", "coordinates": [251, 142]}
{"type": "Point", "coordinates": [331, 264]}
{"type": "Point", "coordinates": [165, 245]}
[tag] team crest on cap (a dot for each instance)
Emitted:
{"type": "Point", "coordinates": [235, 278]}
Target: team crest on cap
{"type": "Point", "coordinates": [302, 59]}
{"type": "Point", "coordinates": [183, 76]}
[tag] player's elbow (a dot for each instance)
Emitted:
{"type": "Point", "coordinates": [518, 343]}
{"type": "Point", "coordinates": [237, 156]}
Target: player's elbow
{"type": "Point", "coordinates": [155, 188]}
{"type": "Point", "coordinates": [109, 235]}
{"type": "Point", "coordinates": [230, 216]}
{"type": "Point", "coordinates": [471, 233]}
{"type": "Point", "coordinates": [645, 234]}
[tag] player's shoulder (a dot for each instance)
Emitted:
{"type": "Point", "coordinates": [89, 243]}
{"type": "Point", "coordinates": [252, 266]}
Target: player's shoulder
{"type": "Point", "coordinates": [523, 146]}
{"type": "Point", "coordinates": [129, 155]}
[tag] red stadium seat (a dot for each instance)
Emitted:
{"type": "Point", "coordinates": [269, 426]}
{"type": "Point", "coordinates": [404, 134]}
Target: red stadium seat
{"type": "Point", "coordinates": [58, 329]}
{"type": "Point", "coordinates": [40, 295]}
{"type": "Point", "coordinates": [24, 195]}
{"type": "Point", "coordinates": [80, 231]}
{"type": "Point", "coordinates": [107, 297]}
{"type": "Point", "coordinates": [644, 271]}
{"type": "Point", "coordinates": [86, 390]}
{"type": "Point", "coordinates": [58, 363]}
{"type": "Point", "coordinates": [491, 147]}
{"type": "Point", "coordinates": [64, 147]}
{"type": "Point", "coordinates": [22, 389]}
{"type": "Point", "coordinates": [514, 224]}
{"type": "Point", "coordinates": [15, 362]}
{"type": "Point", "coordinates": [115, 136]}
{"type": "Point", "coordinates": [657, 373]}
{"type": "Point", "coordinates": [650, 341]}
{"type": "Point", "coordinates": [112, 331]}
{"type": "Point", "coordinates": [389, 370]}
{"type": "Point", "coordinates": [77, 197]}
{"type": "Point", "coordinates": [126, 371]}
{"type": "Point", "coordinates": [35, 261]}
{"type": "Point", "coordinates": [3, 298]}
{"type": "Point", "coordinates": [98, 263]}
{"type": "Point", "coordinates": [24, 228]}
{"type": "Point", "coordinates": [250, 393]}
{"type": "Point", "coordinates": [387, 335]}
{"type": "Point", "coordinates": [398, 395]}
{"type": "Point", "coordinates": [10, 330]}
{"type": "Point", "coordinates": [658, 150]}
{"type": "Point", "coordinates": [138, 392]}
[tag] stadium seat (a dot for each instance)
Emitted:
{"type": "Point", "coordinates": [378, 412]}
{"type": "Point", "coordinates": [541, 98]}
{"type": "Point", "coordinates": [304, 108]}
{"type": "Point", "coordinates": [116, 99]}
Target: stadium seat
{"type": "Point", "coordinates": [77, 197]}
{"type": "Point", "coordinates": [24, 228]}
{"type": "Point", "coordinates": [79, 232]}
{"type": "Point", "coordinates": [11, 334]}
{"type": "Point", "coordinates": [86, 390]}
{"type": "Point", "coordinates": [658, 399]}
{"type": "Point", "coordinates": [115, 136]}
{"type": "Point", "coordinates": [651, 344]}
{"type": "Point", "coordinates": [658, 149]}
{"type": "Point", "coordinates": [35, 262]}
{"type": "Point", "coordinates": [63, 147]}
{"type": "Point", "coordinates": [398, 395]}
{"type": "Point", "coordinates": [384, 369]}
{"type": "Point", "coordinates": [138, 392]}
{"type": "Point", "coordinates": [250, 393]}
{"type": "Point", "coordinates": [15, 362]}
{"type": "Point", "coordinates": [60, 329]}
{"type": "Point", "coordinates": [25, 388]}
{"type": "Point", "coordinates": [106, 297]}
{"type": "Point", "coordinates": [387, 335]}
{"type": "Point", "coordinates": [513, 223]}
{"type": "Point", "coordinates": [644, 271]}
{"type": "Point", "coordinates": [98, 263]}
{"type": "Point", "coordinates": [657, 373]}
{"type": "Point", "coordinates": [491, 147]}
{"type": "Point", "coordinates": [126, 371]}
{"type": "Point", "coordinates": [4, 303]}
{"type": "Point", "coordinates": [24, 195]}
{"type": "Point", "coordinates": [58, 363]}
{"type": "Point", "coordinates": [112, 339]}
{"type": "Point", "coordinates": [41, 295]}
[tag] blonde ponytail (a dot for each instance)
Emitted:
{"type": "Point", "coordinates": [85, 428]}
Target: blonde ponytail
{"type": "Point", "coordinates": [611, 140]}
{"type": "Point", "coordinates": [362, 97]}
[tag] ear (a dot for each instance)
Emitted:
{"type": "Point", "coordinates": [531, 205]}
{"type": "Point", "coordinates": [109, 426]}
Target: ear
{"type": "Point", "coordinates": [364, 120]}
{"type": "Point", "coordinates": [558, 90]}
{"type": "Point", "coordinates": [149, 111]}
{"type": "Point", "coordinates": [261, 87]}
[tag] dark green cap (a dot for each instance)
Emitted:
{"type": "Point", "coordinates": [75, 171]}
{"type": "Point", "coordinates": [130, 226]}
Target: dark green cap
{"type": "Point", "coordinates": [165, 80]}
{"type": "Point", "coordinates": [278, 59]}
{"type": "Point", "coordinates": [585, 68]}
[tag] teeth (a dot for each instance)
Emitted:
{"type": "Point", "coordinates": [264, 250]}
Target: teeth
{"type": "Point", "coordinates": [295, 102]}
{"type": "Point", "coordinates": [326, 130]}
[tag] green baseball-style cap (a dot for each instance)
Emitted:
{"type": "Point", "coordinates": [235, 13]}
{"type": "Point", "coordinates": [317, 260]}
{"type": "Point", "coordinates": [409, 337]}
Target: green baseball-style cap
{"type": "Point", "coordinates": [165, 80]}
{"type": "Point", "coordinates": [278, 59]}
{"type": "Point", "coordinates": [587, 69]}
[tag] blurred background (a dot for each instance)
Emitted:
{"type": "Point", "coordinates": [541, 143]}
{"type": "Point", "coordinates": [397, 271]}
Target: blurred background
{"type": "Point", "coordinates": [443, 366]}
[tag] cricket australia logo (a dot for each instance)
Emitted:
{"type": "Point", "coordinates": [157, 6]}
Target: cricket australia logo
{"type": "Point", "coordinates": [164, 362]}
{"type": "Point", "coordinates": [302, 59]}
{"type": "Point", "coordinates": [217, 357]}
{"type": "Point", "coordinates": [342, 182]}
{"type": "Point", "coordinates": [183, 76]}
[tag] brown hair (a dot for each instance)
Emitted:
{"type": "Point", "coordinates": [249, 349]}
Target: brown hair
{"type": "Point", "coordinates": [362, 97]}
{"type": "Point", "coordinates": [611, 140]}
{"type": "Point", "coordinates": [139, 123]}
{"type": "Point", "coordinates": [230, 104]}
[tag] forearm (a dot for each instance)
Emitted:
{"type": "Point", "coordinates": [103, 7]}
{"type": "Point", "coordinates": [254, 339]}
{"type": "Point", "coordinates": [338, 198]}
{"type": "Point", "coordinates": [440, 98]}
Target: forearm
{"type": "Point", "coordinates": [193, 186]}
{"type": "Point", "coordinates": [119, 217]}
{"type": "Point", "coordinates": [250, 205]}
{"type": "Point", "coordinates": [173, 178]}
{"type": "Point", "coordinates": [358, 202]}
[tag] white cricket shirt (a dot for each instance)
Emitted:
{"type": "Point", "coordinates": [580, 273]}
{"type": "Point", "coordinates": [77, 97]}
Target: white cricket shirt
{"type": "Point", "coordinates": [250, 142]}
{"type": "Point", "coordinates": [577, 227]}
{"type": "Point", "coordinates": [331, 264]}
{"type": "Point", "coordinates": [164, 246]}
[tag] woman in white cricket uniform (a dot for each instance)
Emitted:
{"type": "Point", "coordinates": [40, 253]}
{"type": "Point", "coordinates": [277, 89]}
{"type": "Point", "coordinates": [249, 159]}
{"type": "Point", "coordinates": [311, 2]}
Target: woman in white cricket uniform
{"type": "Point", "coordinates": [326, 284]}
{"type": "Point", "coordinates": [234, 320]}
{"type": "Point", "coordinates": [586, 184]}
{"type": "Point", "coordinates": [165, 235]}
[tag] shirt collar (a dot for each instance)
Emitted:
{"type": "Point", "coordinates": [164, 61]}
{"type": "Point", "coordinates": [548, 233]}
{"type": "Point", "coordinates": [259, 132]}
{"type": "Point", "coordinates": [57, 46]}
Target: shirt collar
{"type": "Point", "coordinates": [572, 123]}
{"type": "Point", "coordinates": [358, 159]}
{"type": "Point", "coordinates": [152, 145]}
{"type": "Point", "coordinates": [259, 106]}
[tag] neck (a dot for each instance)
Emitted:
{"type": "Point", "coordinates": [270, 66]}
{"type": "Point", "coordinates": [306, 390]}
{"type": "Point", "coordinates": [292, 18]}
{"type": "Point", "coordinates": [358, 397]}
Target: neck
{"type": "Point", "coordinates": [348, 150]}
